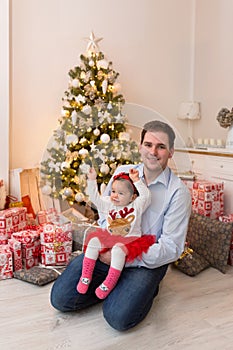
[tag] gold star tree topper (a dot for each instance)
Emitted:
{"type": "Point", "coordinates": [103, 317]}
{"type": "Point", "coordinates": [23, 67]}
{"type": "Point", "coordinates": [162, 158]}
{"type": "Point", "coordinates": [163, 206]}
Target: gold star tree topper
{"type": "Point", "coordinates": [92, 45]}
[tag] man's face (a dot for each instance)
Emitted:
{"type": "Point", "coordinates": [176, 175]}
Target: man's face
{"type": "Point", "coordinates": [155, 151]}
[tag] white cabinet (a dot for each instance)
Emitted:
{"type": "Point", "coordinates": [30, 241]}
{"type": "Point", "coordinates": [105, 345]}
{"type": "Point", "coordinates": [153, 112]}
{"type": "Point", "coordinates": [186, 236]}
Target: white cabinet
{"type": "Point", "coordinates": [214, 165]}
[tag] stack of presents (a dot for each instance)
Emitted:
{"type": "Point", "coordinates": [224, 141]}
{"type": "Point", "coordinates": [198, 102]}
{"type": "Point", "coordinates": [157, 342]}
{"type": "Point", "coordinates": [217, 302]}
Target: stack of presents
{"type": "Point", "coordinates": [208, 200]}
{"type": "Point", "coordinates": [53, 236]}
{"type": "Point", "coordinates": [47, 242]}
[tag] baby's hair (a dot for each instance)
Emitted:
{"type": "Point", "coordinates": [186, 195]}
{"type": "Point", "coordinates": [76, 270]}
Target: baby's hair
{"type": "Point", "coordinates": [124, 177]}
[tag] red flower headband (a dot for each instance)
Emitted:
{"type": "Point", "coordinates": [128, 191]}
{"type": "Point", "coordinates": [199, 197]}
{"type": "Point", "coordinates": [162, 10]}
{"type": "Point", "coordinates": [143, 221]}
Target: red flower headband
{"type": "Point", "coordinates": [125, 176]}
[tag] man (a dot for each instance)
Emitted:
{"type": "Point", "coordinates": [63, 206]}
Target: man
{"type": "Point", "coordinates": [167, 218]}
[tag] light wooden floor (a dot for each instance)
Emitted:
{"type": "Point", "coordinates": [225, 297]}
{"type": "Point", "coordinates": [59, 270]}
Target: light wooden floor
{"type": "Point", "coordinates": [189, 313]}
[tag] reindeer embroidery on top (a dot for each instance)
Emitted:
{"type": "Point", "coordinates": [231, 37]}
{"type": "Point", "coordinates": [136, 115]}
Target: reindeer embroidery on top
{"type": "Point", "coordinates": [120, 225]}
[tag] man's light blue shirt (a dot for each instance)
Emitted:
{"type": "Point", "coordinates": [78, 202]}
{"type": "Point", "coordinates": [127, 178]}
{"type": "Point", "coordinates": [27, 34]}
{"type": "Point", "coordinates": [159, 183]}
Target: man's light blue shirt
{"type": "Point", "coordinates": [167, 217]}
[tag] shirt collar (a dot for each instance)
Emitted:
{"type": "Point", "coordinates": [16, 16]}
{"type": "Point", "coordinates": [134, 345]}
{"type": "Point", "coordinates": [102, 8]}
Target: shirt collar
{"type": "Point", "coordinates": [163, 178]}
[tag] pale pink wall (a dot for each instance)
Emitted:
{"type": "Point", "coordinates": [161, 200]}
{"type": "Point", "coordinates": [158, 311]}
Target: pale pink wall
{"type": "Point", "coordinates": [148, 41]}
{"type": "Point", "coordinates": [213, 63]}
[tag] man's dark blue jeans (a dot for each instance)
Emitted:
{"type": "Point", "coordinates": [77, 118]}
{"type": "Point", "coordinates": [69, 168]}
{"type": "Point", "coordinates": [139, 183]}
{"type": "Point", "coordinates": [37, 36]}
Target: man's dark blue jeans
{"type": "Point", "coordinates": [128, 303]}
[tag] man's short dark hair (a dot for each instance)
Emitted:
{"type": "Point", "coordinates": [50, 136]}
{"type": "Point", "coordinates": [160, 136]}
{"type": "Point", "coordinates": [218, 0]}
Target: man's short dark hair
{"type": "Point", "coordinates": [157, 125]}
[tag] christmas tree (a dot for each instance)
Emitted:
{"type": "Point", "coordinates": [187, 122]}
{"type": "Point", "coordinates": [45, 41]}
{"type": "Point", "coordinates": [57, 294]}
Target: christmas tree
{"type": "Point", "coordinates": [91, 132]}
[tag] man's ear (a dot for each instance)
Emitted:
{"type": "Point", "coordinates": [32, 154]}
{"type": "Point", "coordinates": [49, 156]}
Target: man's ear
{"type": "Point", "coordinates": [171, 152]}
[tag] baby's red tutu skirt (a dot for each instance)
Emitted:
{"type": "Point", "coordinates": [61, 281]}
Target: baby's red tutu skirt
{"type": "Point", "coordinates": [135, 245]}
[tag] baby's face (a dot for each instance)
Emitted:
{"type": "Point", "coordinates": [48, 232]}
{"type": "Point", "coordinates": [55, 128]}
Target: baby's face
{"type": "Point", "coordinates": [120, 194]}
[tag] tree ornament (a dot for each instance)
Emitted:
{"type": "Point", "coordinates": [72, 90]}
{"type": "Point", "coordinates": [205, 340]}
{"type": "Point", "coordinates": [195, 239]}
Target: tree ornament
{"type": "Point", "coordinates": [104, 86]}
{"type": "Point", "coordinates": [104, 169]}
{"type": "Point", "coordinates": [91, 63]}
{"type": "Point", "coordinates": [47, 190]}
{"type": "Point", "coordinates": [79, 197]}
{"type": "Point", "coordinates": [75, 83]}
{"type": "Point", "coordinates": [80, 98]}
{"type": "Point", "coordinates": [74, 116]}
{"type": "Point", "coordinates": [65, 113]}
{"type": "Point", "coordinates": [83, 152]}
{"type": "Point", "coordinates": [105, 138]}
{"type": "Point", "coordinates": [68, 192]}
{"type": "Point", "coordinates": [93, 43]}
{"type": "Point", "coordinates": [96, 132]}
{"type": "Point", "coordinates": [86, 109]}
{"type": "Point", "coordinates": [71, 139]}
{"type": "Point", "coordinates": [65, 165]}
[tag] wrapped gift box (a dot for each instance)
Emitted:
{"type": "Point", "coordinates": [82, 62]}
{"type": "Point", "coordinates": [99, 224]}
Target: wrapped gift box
{"type": "Point", "coordinates": [6, 266]}
{"type": "Point", "coordinates": [30, 243]}
{"type": "Point", "coordinates": [47, 216]}
{"type": "Point", "coordinates": [4, 235]}
{"type": "Point", "coordinates": [12, 220]}
{"type": "Point", "coordinates": [228, 218]}
{"type": "Point", "coordinates": [56, 243]}
{"type": "Point", "coordinates": [207, 198]}
{"type": "Point", "coordinates": [16, 249]}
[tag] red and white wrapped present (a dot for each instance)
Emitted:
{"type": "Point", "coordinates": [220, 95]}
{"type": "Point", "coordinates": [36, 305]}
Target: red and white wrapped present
{"type": "Point", "coordinates": [12, 220]}
{"type": "Point", "coordinates": [47, 216]}
{"type": "Point", "coordinates": [4, 235]}
{"type": "Point", "coordinates": [207, 198]}
{"type": "Point", "coordinates": [30, 243]}
{"type": "Point", "coordinates": [16, 249]}
{"type": "Point", "coordinates": [228, 218]}
{"type": "Point", "coordinates": [56, 243]}
{"type": "Point", "coordinates": [6, 266]}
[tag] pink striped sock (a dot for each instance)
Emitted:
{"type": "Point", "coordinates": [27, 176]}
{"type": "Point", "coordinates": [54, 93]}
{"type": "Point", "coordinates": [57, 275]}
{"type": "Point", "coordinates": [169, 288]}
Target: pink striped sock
{"type": "Point", "coordinates": [87, 271]}
{"type": "Point", "coordinates": [109, 283]}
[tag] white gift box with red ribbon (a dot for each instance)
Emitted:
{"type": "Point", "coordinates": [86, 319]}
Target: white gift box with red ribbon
{"type": "Point", "coordinates": [56, 243]}
{"type": "Point", "coordinates": [6, 264]}
{"type": "Point", "coordinates": [11, 220]}
{"type": "Point", "coordinates": [30, 243]}
{"type": "Point", "coordinates": [207, 198]}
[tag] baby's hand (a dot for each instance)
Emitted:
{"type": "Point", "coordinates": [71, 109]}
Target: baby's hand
{"type": "Point", "coordinates": [92, 174]}
{"type": "Point", "coordinates": [134, 174]}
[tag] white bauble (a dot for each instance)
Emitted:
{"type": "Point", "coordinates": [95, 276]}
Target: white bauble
{"type": "Point", "coordinates": [86, 109]}
{"type": "Point", "coordinates": [104, 169]}
{"type": "Point", "coordinates": [96, 132]}
{"type": "Point", "coordinates": [91, 63]}
{"type": "Point", "coordinates": [68, 192]}
{"type": "Point", "coordinates": [65, 165]}
{"type": "Point", "coordinates": [79, 197]}
{"type": "Point", "coordinates": [83, 152]}
{"type": "Point", "coordinates": [71, 139]}
{"type": "Point", "coordinates": [47, 190]}
{"type": "Point", "coordinates": [105, 138]}
{"type": "Point", "coordinates": [64, 113]}
{"type": "Point", "coordinates": [84, 168]}
{"type": "Point", "coordinates": [75, 83]}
